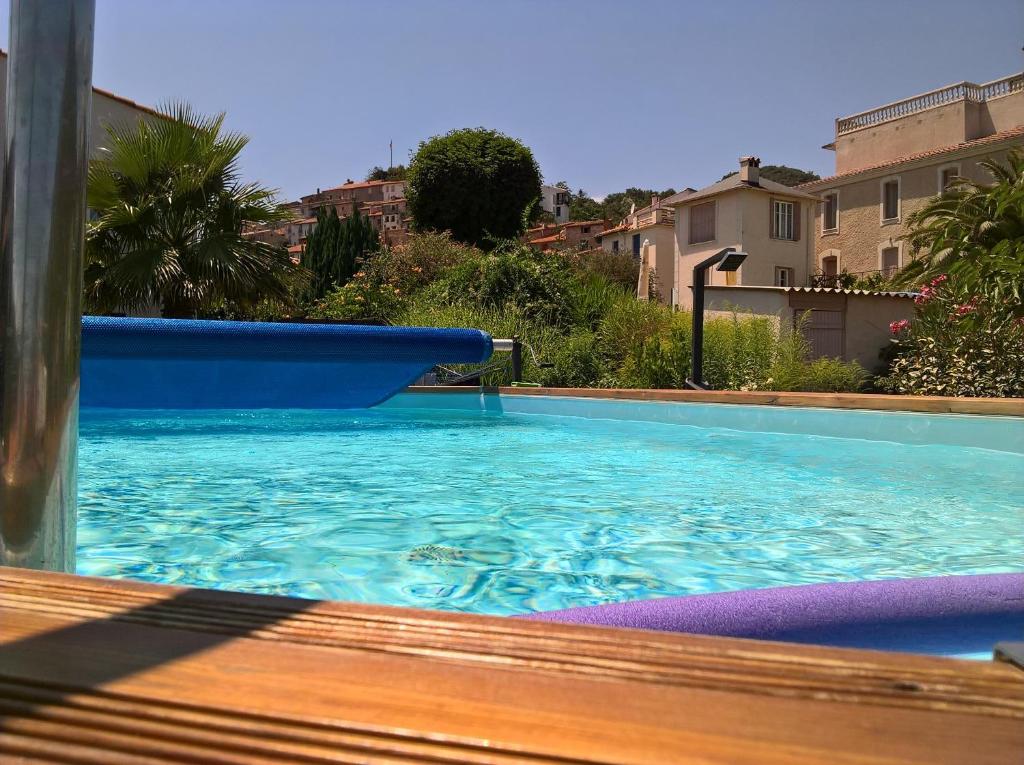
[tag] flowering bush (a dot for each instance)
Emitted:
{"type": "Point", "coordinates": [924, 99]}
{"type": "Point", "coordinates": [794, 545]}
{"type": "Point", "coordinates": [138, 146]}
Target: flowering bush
{"type": "Point", "coordinates": [959, 344]}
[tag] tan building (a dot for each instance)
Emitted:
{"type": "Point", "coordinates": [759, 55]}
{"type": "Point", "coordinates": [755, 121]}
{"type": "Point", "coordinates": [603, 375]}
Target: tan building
{"type": "Point", "coordinates": [654, 224]}
{"type": "Point", "coordinates": [772, 223]}
{"type": "Point", "coordinates": [891, 160]}
{"type": "Point", "coordinates": [107, 109]}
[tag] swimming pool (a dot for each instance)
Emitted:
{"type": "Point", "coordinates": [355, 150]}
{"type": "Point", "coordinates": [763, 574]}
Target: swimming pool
{"type": "Point", "coordinates": [515, 504]}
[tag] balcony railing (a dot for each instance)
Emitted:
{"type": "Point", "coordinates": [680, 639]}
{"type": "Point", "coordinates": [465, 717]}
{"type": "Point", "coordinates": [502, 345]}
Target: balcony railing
{"type": "Point", "coordinates": [662, 215]}
{"type": "Point", "coordinates": [961, 91]}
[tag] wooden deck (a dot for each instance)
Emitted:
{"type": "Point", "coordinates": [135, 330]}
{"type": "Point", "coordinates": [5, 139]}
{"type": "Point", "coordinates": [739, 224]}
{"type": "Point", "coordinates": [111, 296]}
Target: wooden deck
{"type": "Point", "coordinates": [105, 671]}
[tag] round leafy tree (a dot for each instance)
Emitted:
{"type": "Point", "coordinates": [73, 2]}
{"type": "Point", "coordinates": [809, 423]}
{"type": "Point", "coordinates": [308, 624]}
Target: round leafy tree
{"type": "Point", "coordinates": [476, 183]}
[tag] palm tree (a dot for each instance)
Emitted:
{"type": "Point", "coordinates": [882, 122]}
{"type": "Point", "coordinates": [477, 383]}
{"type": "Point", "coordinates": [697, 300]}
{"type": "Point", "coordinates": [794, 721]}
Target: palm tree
{"type": "Point", "coordinates": [974, 232]}
{"type": "Point", "coordinates": [169, 212]}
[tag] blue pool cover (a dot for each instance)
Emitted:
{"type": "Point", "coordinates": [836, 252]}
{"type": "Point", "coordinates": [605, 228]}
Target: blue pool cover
{"type": "Point", "coordinates": [192, 364]}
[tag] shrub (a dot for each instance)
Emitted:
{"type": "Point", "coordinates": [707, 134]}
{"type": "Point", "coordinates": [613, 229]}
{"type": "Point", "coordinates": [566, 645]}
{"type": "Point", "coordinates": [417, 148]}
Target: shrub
{"type": "Point", "coordinates": [512, 275]}
{"type": "Point", "coordinates": [575, 362]}
{"type": "Point", "coordinates": [614, 267]}
{"type": "Point", "coordinates": [957, 345]}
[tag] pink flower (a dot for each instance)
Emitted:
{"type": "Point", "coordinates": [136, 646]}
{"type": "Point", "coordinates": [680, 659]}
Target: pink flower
{"type": "Point", "coordinates": [898, 326]}
{"type": "Point", "coordinates": [966, 308]}
{"type": "Point", "coordinates": [939, 280]}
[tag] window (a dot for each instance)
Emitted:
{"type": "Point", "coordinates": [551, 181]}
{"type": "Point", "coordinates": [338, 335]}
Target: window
{"type": "Point", "coordinates": [830, 213]}
{"type": "Point", "coordinates": [946, 176]}
{"type": "Point", "coordinates": [784, 223]}
{"type": "Point", "coordinates": [558, 211]}
{"type": "Point", "coordinates": [890, 260]}
{"type": "Point", "coordinates": [585, 230]}
{"type": "Point", "coordinates": [783, 277]}
{"type": "Point", "coordinates": [891, 200]}
{"type": "Point", "coordinates": [615, 246]}
{"type": "Point", "coordinates": [830, 265]}
{"type": "Point", "coordinates": [702, 223]}
{"type": "Point", "coordinates": [636, 246]}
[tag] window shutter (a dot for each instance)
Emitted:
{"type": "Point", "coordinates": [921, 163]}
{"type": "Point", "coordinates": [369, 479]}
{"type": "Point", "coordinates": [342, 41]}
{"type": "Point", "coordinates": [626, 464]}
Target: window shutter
{"type": "Point", "coordinates": [772, 232]}
{"type": "Point", "coordinates": [796, 220]}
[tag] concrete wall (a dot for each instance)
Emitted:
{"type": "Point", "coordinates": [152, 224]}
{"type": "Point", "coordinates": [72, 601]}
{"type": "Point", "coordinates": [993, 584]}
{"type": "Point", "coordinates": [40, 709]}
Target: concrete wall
{"type": "Point", "coordinates": [867, 317]}
{"type": "Point", "coordinates": [861, 234]}
{"type": "Point", "coordinates": [742, 220]}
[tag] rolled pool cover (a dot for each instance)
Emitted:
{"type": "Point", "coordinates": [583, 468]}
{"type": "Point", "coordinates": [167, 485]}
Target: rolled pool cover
{"type": "Point", "coordinates": [186, 363]}
{"type": "Point", "coordinates": [950, 615]}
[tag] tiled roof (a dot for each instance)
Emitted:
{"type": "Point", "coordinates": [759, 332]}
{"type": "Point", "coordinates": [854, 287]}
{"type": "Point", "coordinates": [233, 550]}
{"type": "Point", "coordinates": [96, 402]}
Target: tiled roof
{"type": "Point", "coordinates": [295, 248]}
{"type": "Point", "coordinates": [1005, 135]}
{"type": "Point", "coordinates": [546, 239]}
{"type": "Point", "coordinates": [617, 229]}
{"type": "Point", "coordinates": [360, 185]}
{"type": "Point", "coordinates": [574, 223]}
{"type": "Point", "coordinates": [731, 183]}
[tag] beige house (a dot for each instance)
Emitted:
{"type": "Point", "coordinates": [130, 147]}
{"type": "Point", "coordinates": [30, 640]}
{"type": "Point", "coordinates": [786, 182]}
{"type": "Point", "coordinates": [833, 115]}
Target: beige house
{"type": "Point", "coordinates": [772, 223]}
{"type": "Point", "coordinates": [891, 160]}
{"type": "Point", "coordinates": [654, 224]}
{"type": "Point", "coordinates": [852, 325]}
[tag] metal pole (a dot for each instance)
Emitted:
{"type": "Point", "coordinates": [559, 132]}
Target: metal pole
{"type": "Point", "coordinates": [42, 224]}
{"type": "Point", "coordinates": [697, 347]}
{"type": "Point", "coordinates": [517, 360]}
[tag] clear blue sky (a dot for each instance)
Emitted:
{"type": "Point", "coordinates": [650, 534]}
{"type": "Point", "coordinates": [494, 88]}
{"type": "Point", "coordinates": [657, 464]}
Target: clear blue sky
{"type": "Point", "coordinates": [608, 94]}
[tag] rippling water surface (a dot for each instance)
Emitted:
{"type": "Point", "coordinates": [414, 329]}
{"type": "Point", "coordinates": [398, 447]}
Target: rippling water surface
{"type": "Point", "coordinates": [513, 513]}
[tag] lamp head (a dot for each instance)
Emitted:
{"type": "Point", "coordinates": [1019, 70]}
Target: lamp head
{"type": "Point", "coordinates": [731, 261]}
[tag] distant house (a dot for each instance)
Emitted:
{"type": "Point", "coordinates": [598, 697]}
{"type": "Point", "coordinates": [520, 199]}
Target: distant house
{"type": "Point", "coordinates": [772, 223]}
{"type": "Point", "coordinates": [654, 224]}
{"type": "Point", "coordinates": [891, 160]}
{"type": "Point", "coordinates": [582, 234]}
{"type": "Point", "coordinates": [555, 200]}
{"type": "Point", "coordinates": [382, 201]}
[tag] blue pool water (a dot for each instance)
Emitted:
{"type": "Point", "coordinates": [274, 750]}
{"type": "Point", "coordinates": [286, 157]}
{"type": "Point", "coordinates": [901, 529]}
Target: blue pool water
{"type": "Point", "coordinates": [519, 509]}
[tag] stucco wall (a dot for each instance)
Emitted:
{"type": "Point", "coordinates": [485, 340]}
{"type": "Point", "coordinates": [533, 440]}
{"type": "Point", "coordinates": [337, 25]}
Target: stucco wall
{"type": "Point", "coordinates": [861, 233]}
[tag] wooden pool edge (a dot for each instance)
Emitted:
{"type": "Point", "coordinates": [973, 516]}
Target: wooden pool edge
{"type": "Point", "coordinates": [116, 671]}
{"type": "Point", "coordinates": [1013, 407]}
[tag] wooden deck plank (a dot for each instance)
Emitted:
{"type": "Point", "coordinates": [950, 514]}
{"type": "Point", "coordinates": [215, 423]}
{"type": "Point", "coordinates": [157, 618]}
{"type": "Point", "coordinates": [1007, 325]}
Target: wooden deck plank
{"type": "Point", "coordinates": [94, 669]}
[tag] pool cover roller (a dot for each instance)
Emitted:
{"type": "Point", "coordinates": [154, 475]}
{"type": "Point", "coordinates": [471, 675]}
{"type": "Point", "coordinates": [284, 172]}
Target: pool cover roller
{"type": "Point", "coordinates": [192, 364]}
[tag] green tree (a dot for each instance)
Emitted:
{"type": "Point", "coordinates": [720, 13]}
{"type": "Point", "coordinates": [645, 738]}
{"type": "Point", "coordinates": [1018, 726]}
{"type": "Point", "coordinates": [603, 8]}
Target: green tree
{"type": "Point", "coordinates": [583, 207]}
{"type": "Point", "coordinates": [787, 176]}
{"type": "Point", "coordinates": [378, 173]}
{"type": "Point", "coordinates": [478, 184]}
{"type": "Point", "coordinates": [974, 232]}
{"type": "Point", "coordinates": [335, 248]}
{"type": "Point", "coordinates": [170, 214]}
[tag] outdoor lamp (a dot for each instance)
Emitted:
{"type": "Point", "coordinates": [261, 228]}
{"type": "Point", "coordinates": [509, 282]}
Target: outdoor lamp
{"type": "Point", "coordinates": [728, 259]}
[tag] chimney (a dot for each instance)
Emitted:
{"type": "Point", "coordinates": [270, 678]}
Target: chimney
{"type": "Point", "coordinates": [654, 200]}
{"type": "Point", "coordinates": [749, 172]}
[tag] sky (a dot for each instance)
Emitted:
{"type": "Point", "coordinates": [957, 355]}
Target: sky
{"type": "Point", "coordinates": [607, 94]}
